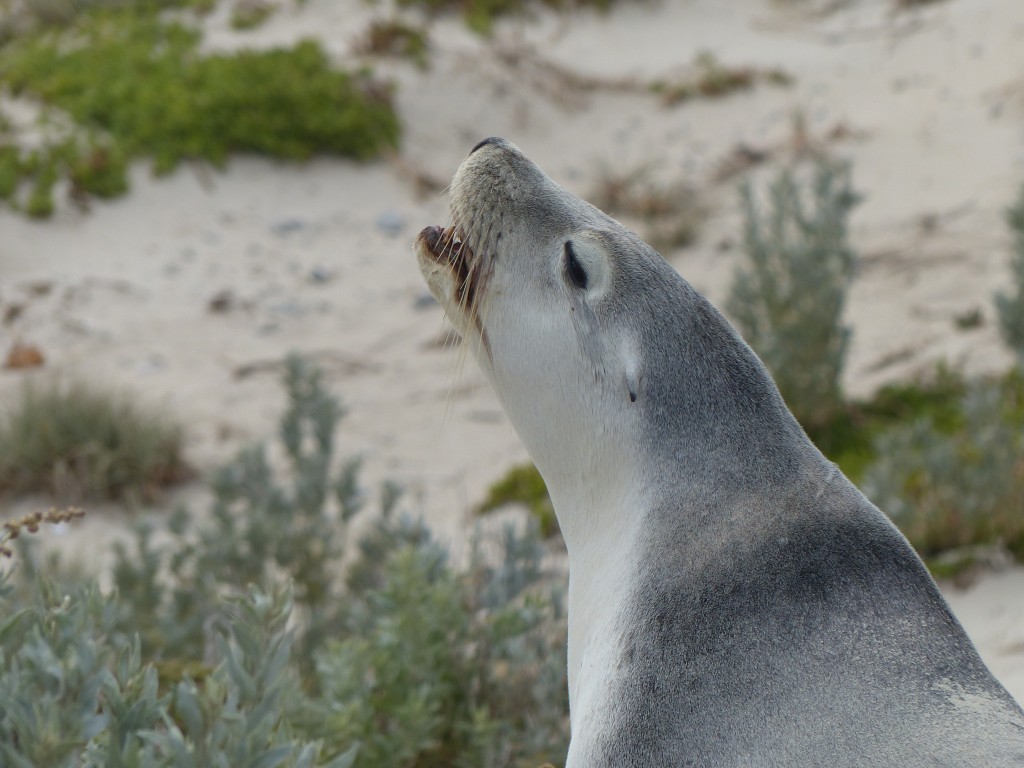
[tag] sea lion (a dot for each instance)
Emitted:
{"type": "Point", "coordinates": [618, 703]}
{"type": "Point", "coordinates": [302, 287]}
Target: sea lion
{"type": "Point", "coordinates": [733, 599]}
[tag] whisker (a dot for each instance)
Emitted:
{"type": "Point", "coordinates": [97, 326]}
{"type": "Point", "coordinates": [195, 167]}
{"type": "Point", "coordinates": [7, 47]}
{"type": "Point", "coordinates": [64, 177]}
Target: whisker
{"type": "Point", "coordinates": [459, 361]}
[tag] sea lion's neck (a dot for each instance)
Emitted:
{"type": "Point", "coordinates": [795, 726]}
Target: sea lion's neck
{"type": "Point", "coordinates": [610, 546]}
{"type": "Point", "coordinates": [698, 450]}
{"type": "Point", "coordinates": [601, 536]}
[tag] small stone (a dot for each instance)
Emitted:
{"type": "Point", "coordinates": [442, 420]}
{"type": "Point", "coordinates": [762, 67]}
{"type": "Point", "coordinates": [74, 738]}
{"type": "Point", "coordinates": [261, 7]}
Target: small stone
{"type": "Point", "coordinates": [40, 288]}
{"type": "Point", "coordinates": [391, 223]}
{"type": "Point", "coordinates": [12, 312]}
{"type": "Point", "coordinates": [23, 356]}
{"type": "Point", "coordinates": [287, 308]}
{"type": "Point", "coordinates": [151, 364]}
{"type": "Point", "coordinates": [321, 274]}
{"type": "Point", "coordinates": [286, 227]}
{"type": "Point", "coordinates": [222, 301]}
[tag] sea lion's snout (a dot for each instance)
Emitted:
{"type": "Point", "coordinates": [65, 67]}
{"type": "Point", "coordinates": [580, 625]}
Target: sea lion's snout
{"type": "Point", "coordinates": [450, 268]}
{"type": "Point", "coordinates": [486, 142]}
{"type": "Point", "coordinates": [447, 247]}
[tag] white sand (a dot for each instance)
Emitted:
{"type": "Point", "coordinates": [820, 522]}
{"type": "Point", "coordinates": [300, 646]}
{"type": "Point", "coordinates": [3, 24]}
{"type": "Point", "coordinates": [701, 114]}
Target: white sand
{"type": "Point", "coordinates": [934, 99]}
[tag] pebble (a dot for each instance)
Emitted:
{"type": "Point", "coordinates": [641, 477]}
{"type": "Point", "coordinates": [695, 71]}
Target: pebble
{"type": "Point", "coordinates": [222, 301]}
{"type": "Point", "coordinates": [24, 356]}
{"type": "Point", "coordinates": [286, 227]}
{"type": "Point", "coordinates": [321, 274]}
{"type": "Point", "coordinates": [391, 223]}
{"type": "Point", "coordinates": [288, 308]}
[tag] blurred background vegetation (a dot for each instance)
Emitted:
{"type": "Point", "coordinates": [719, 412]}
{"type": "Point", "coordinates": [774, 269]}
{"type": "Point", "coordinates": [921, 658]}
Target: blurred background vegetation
{"type": "Point", "coordinates": [292, 626]}
{"type": "Point", "coordinates": [249, 639]}
{"type": "Point", "coordinates": [121, 81]}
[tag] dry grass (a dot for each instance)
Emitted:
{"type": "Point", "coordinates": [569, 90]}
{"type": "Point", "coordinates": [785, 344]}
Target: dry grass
{"type": "Point", "coordinates": [906, 4]}
{"type": "Point", "coordinates": [395, 38]}
{"type": "Point", "coordinates": [79, 442]}
{"type": "Point", "coordinates": [249, 14]}
{"type": "Point", "coordinates": [31, 522]}
{"type": "Point", "coordinates": [670, 213]}
{"type": "Point", "coordinates": [708, 78]}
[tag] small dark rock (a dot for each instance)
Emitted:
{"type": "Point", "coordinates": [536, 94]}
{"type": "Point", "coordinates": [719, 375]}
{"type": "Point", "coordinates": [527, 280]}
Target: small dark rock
{"type": "Point", "coordinates": [40, 288]}
{"type": "Point", "coordinates": [321, 274]}
{"type": "Point", "coordinates": [286, 227]}
{"type": "Point", "coordinates": [222, 302]}
{"type": "Point", "coordinates": [12, 312]}
{"type": "Point", "coordinates": [970, 319]}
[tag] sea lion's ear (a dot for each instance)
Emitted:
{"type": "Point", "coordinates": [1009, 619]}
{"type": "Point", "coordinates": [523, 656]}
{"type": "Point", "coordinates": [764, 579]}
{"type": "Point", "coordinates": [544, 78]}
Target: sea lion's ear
{"type": "Point", "coordinates": [584, 265]}
{"type": "Point", "coordinates": [631, 369]}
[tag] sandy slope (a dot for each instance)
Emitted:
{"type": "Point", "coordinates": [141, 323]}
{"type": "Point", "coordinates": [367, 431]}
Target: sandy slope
{"type": "Point", "coordinates": [929, 106]}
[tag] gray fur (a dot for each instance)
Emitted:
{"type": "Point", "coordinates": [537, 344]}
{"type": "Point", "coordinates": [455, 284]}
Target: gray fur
{"type": "Point", "coordinates": [773, 615]}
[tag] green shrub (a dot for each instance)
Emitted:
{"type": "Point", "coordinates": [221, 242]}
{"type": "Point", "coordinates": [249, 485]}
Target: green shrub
{"type": "Point", "coordinates": [31, 15]}
{"type": "Point", "coordinates": [40, 201]}
{"type": "Point", "coordinates": [10, 171]}
{"type": "Point", "coordinates": [961, 483]}
{"type": "Point", "coordinates": [523, 485]}
{"type": "Point", "coordinates": [100, 170]}
{"type": "Point", "coordinates": [136, 85]}
{"type": "Point", "coordinates": [1010, 306]}
{"type": "Point", "coordinates": [850, 437]}
{"type": "Point", "coordinates": [389, 657]}
{"type": "Point", "coordinates": [79, 442]}
{"type": "Point", "coordinates": [787, 299]}
{"type": "Point", "coordinates": [953, 478]}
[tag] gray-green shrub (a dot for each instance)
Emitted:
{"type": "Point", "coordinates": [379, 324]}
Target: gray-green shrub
{"type": "Point", "coordinates": [949, 488]}
{"type": "Point", "coordinates": [1010, 305]}
{"type": "Point", "coordinates": [74, 692]}
{"type": "Point", "coordinates": [77, 441]}
{"type": "Point", "coordinates": [390, 657]}
{"type": "Point", "coordinates": [787, 297]}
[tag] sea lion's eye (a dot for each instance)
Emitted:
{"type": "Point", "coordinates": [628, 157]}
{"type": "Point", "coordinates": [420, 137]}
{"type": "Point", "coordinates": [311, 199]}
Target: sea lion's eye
{"type": "Point", "coordinates": [573, 268]}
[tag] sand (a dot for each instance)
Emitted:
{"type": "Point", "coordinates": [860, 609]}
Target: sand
{"type": "Point", "coordinates": [927, 104]}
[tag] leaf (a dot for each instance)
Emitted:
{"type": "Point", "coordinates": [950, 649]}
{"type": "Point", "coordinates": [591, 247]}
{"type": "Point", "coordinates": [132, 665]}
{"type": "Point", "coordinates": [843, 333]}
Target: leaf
{"type": "Point", "coordinates": [346, 759]}
{"type": "Point", "coordinates": [11, 625]}
{"type": "Point", "coordinates": [272, 757]}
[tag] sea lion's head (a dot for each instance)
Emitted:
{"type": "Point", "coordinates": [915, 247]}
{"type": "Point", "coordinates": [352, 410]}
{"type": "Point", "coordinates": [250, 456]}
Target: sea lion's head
{"type": "Point", "coordinates": [604, 359]}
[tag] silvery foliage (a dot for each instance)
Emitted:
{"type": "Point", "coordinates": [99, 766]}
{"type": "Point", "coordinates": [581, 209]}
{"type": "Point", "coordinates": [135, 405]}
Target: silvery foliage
{"type": "Point", "coordinates": [248, 639]}
{"type": "Point", "coordinates": [787, 297]}
{"type": "Point", "coordinates": [73, 692]}
{"type": "Point", "coordinates": [949, 489]}
{"type": "Point", "coordinates": [1010, 306]}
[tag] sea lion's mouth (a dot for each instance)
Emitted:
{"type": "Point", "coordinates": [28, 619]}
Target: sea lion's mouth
{"type": "Point", "coordinates": [448, 247]}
